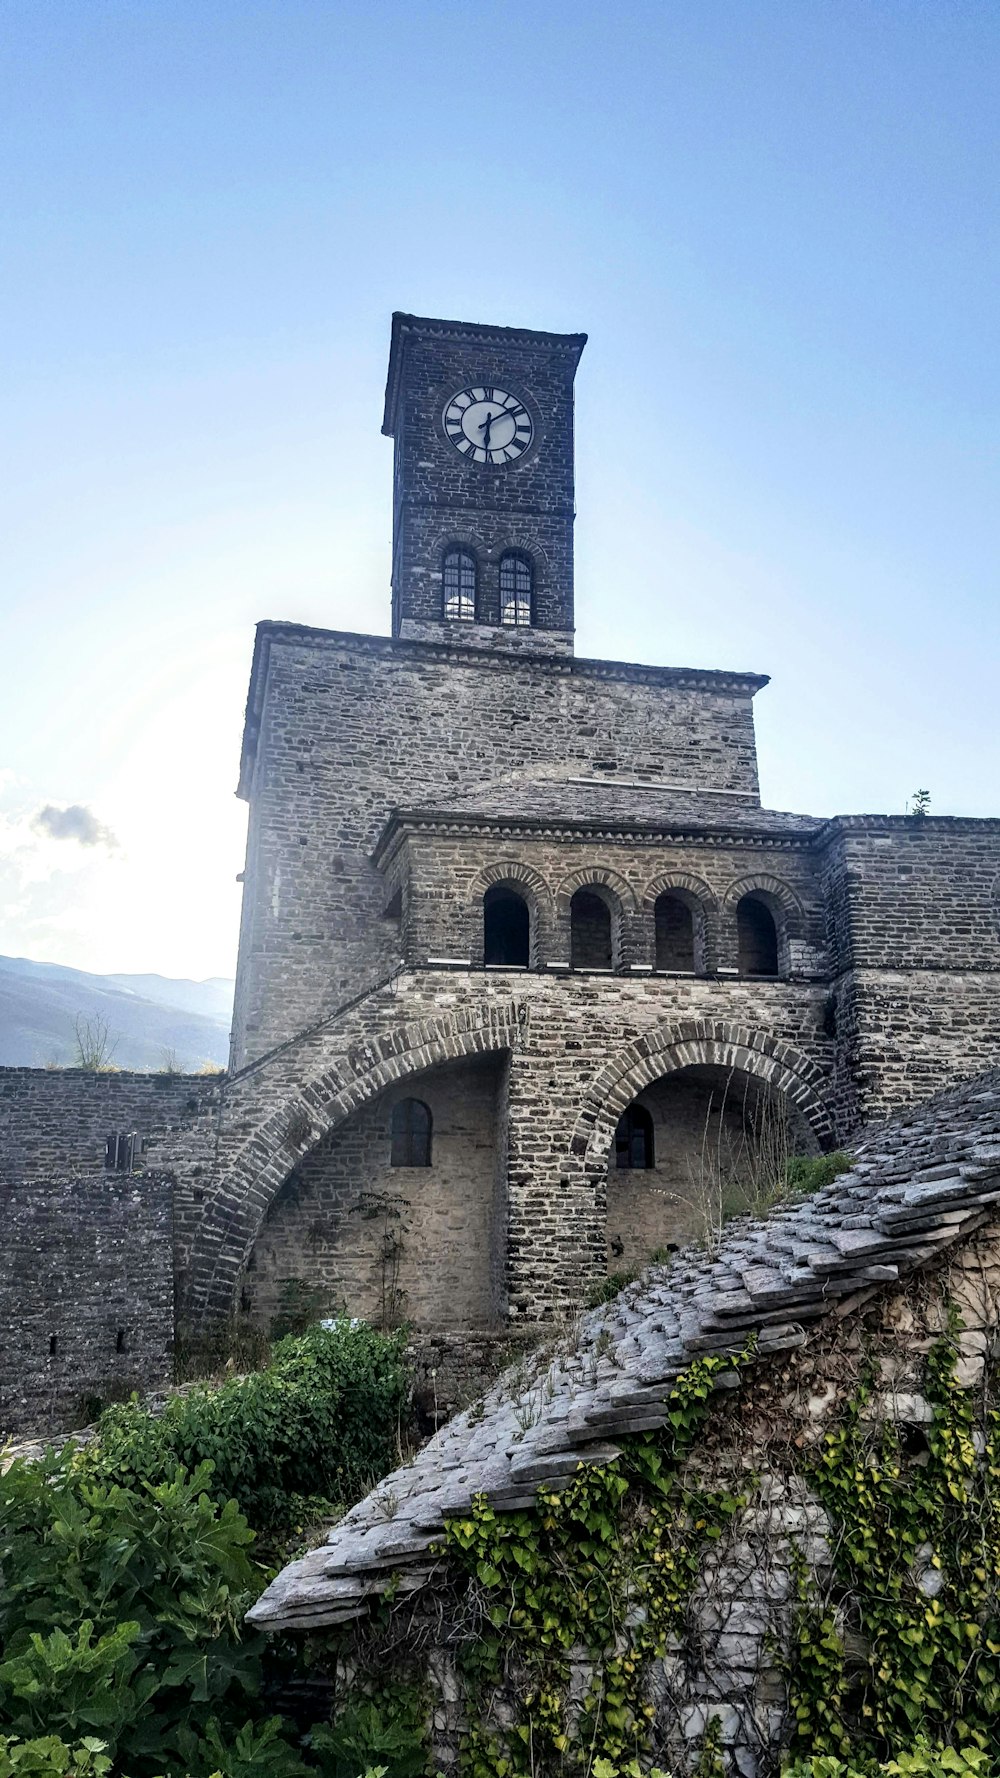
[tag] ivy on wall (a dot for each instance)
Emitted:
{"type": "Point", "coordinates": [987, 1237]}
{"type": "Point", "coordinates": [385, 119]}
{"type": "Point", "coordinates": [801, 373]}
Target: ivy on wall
{"type": "Point", "coordinates": [915, 1543]}
{"type": "Point", "coordinates": [580, 1595]}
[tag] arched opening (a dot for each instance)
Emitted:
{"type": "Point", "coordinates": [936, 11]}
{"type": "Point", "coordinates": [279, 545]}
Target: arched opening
{"type": "Point", "coordinates": [516, 589]}
{"type": "Point", "coordinates": [458, 577]}
{"type": "Point", "coordinates": [634, 1139]}
{"type": "Point", "coordinates": [719, 1145]}
{"type": "Point", "coordinates": [591, 936]}
{"type": "Point", "coordinates": [675, 937]}
{"type": "Point", "coordinates": [756, 937]}
{"type": "Point", "coordinates": [506, 929]}
{"type": "Point", "coordinates": [351, 1232]}
{"type": "Point", "coordinates": [411, 1129]}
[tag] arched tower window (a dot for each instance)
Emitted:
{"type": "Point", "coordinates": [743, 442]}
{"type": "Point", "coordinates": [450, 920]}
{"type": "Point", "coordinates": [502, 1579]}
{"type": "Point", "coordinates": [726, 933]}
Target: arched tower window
{"type": "Point", "coordinates": [634, 1139]}
{"type": "Point", "coordinates": [757, 937]}
{"type": "Point", "coordinates": [506, 928]}
{"type": "Point", "coordinates": [590, 941]}
{"type": "Point", "coordinates": [674, 933]}
{"type": "Point", "coordinates": [516, 589]}
{"type": "Point", "coordinates": [411, 1134]}
{"type": "Point", "coordinates": [459, 582]}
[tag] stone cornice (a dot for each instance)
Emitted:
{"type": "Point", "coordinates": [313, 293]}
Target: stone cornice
{"type": "Point", "coordinates": [940, 825]}
{"type": "Point", "coordinates": [440, 824]}
{"type": "Point", "coordinates": [569, 344]}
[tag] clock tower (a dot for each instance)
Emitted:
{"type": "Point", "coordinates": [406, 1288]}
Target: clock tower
{"type": "Point", "coordinates": [483, 506]}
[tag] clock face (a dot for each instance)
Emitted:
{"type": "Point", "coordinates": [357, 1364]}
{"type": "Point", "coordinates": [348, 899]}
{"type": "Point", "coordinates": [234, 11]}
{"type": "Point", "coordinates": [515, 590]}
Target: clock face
{"type": "Point", "coordinates": [488, 425]}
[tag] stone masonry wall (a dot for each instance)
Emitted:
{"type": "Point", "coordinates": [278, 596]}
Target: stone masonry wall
{"type": "Point", "coordinates": [427, 1260]}
{"type": "Point", "coordinates": [86, 1295]}
{"type": "Point", "coordinates": [350, 726]}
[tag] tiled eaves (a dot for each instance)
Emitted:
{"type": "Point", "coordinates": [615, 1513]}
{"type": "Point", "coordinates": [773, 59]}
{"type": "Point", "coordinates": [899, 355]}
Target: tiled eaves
{"type": "Point", "coordinates": [681, 830]}
{"type": "Point", "coordinates": [917, 1185]}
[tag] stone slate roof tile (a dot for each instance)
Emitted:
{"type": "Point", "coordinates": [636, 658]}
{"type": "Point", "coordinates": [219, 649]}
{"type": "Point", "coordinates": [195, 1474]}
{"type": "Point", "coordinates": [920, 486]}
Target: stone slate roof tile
{"type": "Point", "coordinates": [915, 1185]}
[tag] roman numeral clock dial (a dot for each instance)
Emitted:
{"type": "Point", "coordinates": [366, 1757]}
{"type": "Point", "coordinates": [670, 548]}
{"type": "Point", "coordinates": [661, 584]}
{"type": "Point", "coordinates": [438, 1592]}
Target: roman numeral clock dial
{"type": "Point", "coordinates": [488, 425]}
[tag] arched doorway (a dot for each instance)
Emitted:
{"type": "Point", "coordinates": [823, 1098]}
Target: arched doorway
{"type": "Point", "coordinates": [718, 1144]}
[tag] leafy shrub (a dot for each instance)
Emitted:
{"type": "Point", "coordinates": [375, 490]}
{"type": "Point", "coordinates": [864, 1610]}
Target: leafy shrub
{"type": "Point", "coordinates": [921, 1761]}
{"type": "Point", "coordinates": [387, 1732]}
{"type": "Point", "coordinates": [121, 1611]}
{"type": "Point", "coordinates": [322, 1419]}
{"type": "Point", "coordinates": [49, 1757]}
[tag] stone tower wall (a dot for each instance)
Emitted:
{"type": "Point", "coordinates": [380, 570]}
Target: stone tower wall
{"type": "Point", "coordinates": [349, 727]}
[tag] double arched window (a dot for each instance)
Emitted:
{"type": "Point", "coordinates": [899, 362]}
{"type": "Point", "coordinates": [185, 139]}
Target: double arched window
{"type": "Point", "coordinates": [411, 1134]}
{"type": "Point", "coordinates": [516, 590]}
{"type": "Point", "coordinates": [459, 583]}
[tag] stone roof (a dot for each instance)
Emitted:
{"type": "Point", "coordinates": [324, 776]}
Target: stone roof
{"type": "Point", "coordinates": [916, 1185]}
{"type": "Point", "coordinates": [589, 807]}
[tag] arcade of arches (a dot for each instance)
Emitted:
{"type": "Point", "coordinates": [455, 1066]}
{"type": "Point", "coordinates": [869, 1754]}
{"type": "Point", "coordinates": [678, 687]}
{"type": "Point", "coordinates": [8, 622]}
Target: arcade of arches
{"type": "Point", "coordinates": [421, 1171]}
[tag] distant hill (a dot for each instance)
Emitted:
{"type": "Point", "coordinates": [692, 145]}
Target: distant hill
{"type": "Point", "coordinates": [153, 1017]}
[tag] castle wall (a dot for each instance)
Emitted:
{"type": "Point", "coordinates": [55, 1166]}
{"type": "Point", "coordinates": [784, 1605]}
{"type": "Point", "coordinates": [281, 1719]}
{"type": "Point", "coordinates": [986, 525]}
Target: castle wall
{"type": "Point", "coordinates": [350, 727]}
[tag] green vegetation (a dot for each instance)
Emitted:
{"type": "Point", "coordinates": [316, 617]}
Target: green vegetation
{"type": "Point", "coordinates": [127, 1568]}
{"type": "Point", "coordinates": [322, 1420]}
{"type": "Point", "coordinates": [932, 1664]}
{"type": "Point", "coordinates": [621, 1544]}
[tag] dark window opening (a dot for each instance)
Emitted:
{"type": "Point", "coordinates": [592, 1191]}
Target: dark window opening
{"type": "Point", "coordinates": [634, 1139]}
{"type": "Point", "coordinates": [53, 1345]}
{"type": "Point", "coordinates": [590, 931]}
{"type": "Point", "coordinates": [674, 933]}
{"type": "Point", "coordinates": [121, 1344]}
{"type": "Point", "coordinates": [516, 588]}
{"type": "Point", "coordinates": [122, 1151]}
{"type": "Point", "coordinates": [757, 937]}
{"type": "Point", "coordinates": [459, 575]}
{"type": "Point", "coordinates": [411, 1134]}
{"type": "Point", "coordinates": [506, 929]}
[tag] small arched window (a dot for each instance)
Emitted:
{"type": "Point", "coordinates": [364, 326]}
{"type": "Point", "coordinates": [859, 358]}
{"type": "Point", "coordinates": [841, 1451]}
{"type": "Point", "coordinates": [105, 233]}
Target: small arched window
{"type": "Point", "coordinates": [459, 579]}
{"type": "Point", "coordinates": [757, 937]}
{"type": "Point", "coordinates": [590, 939]}
{"type": "Point", "coordinates": [411, 1134]}
{"type": "Point", "coordinates": [516, 589]}
{"type": "Point", "coordinates": [674, 933]}
{"type": "Point", "coordinates": [506, 928]}
{"type": "Point", "coordinates": [634, 1139]}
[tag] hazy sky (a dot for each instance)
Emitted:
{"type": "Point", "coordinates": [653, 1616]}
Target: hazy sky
{"type": "Point", "coordinates": [777, 222]}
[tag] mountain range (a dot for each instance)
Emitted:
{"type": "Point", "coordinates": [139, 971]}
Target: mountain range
{"type": "Point", "coordinates": [153, 1021]}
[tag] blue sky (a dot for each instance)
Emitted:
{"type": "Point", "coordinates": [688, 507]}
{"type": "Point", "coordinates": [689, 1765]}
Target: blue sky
{"type": "Point", "coordinates": [778, 223]}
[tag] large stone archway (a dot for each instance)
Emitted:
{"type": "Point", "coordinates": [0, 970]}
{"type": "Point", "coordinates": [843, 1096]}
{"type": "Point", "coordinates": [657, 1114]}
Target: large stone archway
{"type": "Point", "coordinates": [689, 1044]}
{"type": "Point", "coordinates": [248, 1182]}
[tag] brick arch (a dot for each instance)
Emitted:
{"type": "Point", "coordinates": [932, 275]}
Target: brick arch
{"type": "Point", "coordinates": [692, 1043]}
{"type": "Point", "coordinates": [232, 1217]}
{"type": "Point", "coordinates": [760, 882]}
{"type": "Point", "coordinates": [598, 877]}
{"type": "Point", "coordinates": [669, 880]}
{"type": "Point", "coordinates": [510, 870]}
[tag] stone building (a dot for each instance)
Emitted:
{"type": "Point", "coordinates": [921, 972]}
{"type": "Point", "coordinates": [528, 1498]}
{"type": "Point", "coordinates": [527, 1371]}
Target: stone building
{"type": "Point", "coordinates": [466, 812]}
{"type": "Point", "coordinates": [526, 970]}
